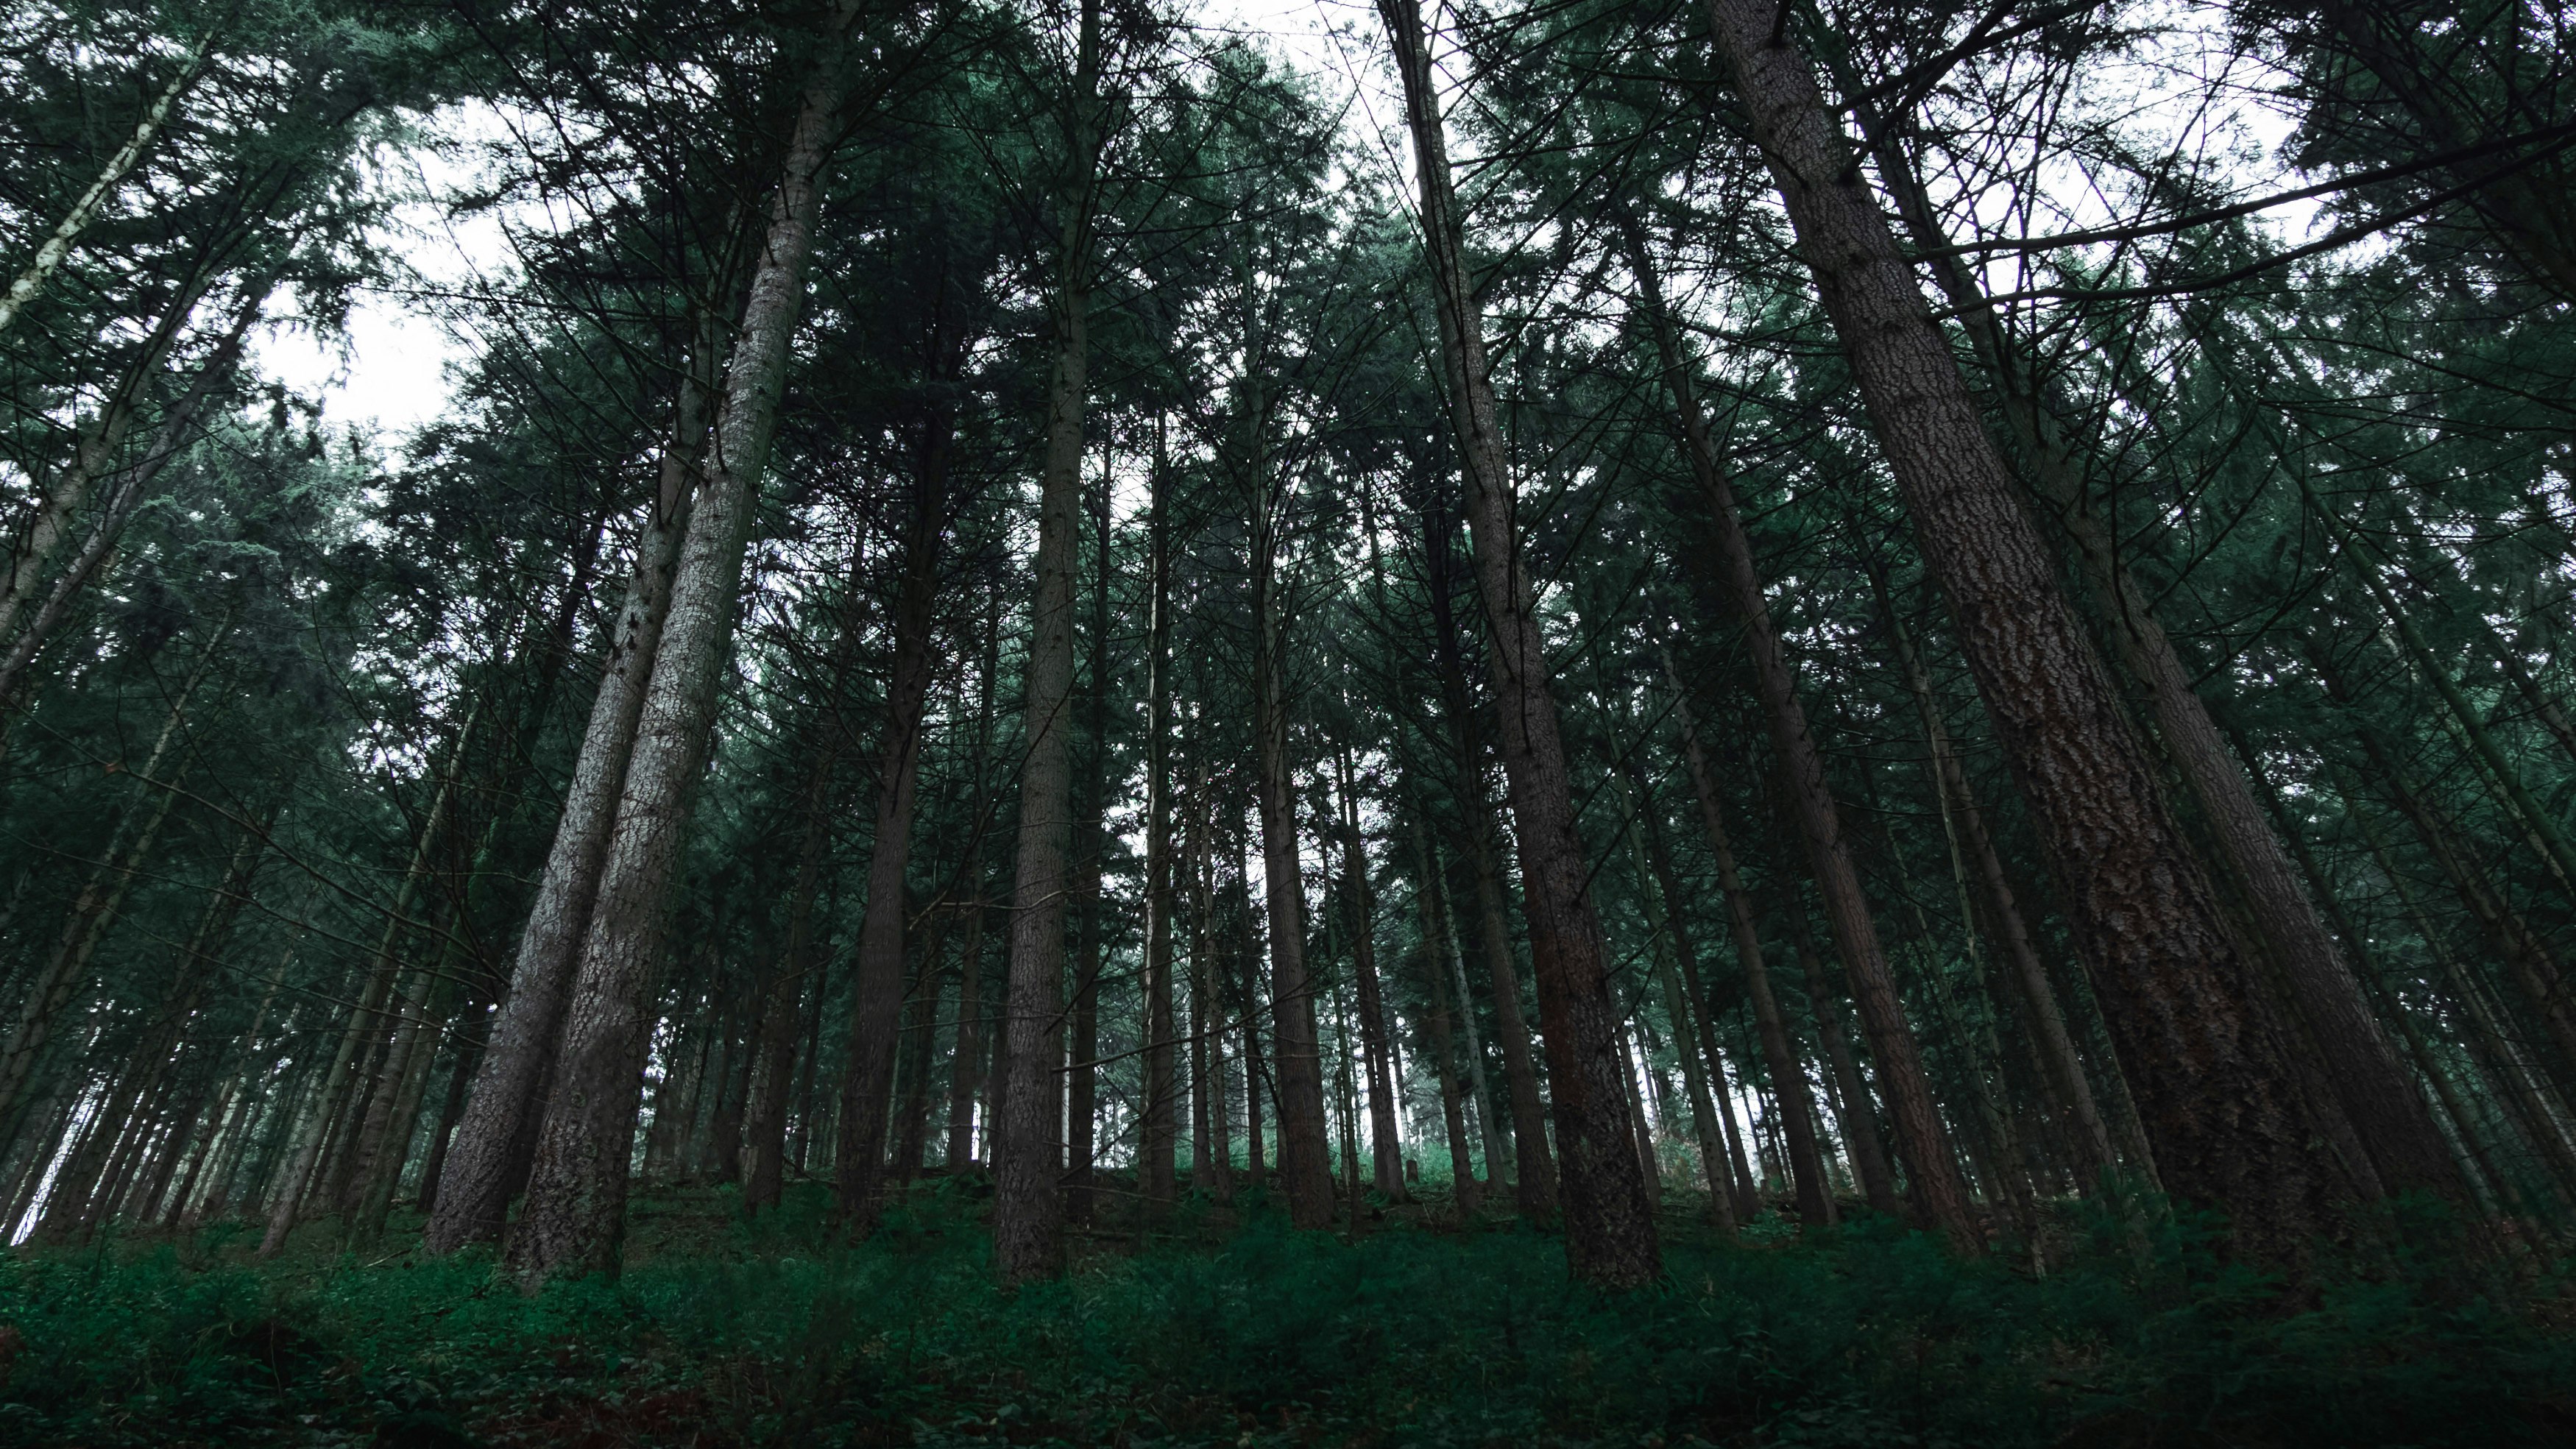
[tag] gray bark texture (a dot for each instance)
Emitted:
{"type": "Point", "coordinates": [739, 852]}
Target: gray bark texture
{"type": "Point", "coordinates": [574, 1217]}
{"type": "Point", "coordinates": [487, 1156]}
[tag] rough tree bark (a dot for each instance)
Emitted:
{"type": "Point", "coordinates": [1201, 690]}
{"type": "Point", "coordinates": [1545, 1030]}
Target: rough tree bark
{"type": "Point", "coordinates": [2359, 1061]}
{"type": "Point", "coordinates": [2221, 1107]}
{"type": "Point", "coordinates": [488, 1156]}
{"type": "Point", "coordinates": [2090, 1136]}
{"type": "Point", "coordinates": [1028, 1158]}
{"type": "Point", "coordinates": [574, 1218]}
{"type": "Point", "coordinates": [1610, 1227]}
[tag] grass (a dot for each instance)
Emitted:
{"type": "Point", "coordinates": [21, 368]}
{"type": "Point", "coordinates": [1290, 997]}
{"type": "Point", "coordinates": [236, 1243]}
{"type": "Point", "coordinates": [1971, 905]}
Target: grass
{"type": "Point", "coordinates": [1237, 1330]}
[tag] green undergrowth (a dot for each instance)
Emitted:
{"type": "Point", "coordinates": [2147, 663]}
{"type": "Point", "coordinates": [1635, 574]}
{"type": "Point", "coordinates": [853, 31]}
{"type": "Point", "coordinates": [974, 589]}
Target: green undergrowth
{"type": "Point", "coordinates": [1240, 1331]}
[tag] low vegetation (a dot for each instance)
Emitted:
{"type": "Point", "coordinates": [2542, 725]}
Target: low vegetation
{"type": "Point", "coordinates": [1227, 1327]}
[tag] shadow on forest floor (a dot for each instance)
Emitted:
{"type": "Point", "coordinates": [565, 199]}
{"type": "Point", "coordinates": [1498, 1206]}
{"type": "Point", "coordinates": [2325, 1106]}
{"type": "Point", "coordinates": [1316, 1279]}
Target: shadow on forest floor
{"type": "Point", "coordinates": [1212, 1330]}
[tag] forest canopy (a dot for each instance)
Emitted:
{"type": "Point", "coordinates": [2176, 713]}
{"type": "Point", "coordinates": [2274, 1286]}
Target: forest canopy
{"type": "Point", "coordinates": [1896, 667]}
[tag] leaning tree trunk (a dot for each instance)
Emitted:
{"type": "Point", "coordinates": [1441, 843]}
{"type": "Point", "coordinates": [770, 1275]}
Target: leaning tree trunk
{"type": "Point", "coordinates": [94, 456]}
{"type": "Point", "coordinates": [2359, 1061]}
{"type": "Point", "coordinates": [1779, 1056]}
{"type": "Point", "coordinates": [1610, 1226]}
{"type": "Point", "coordinates": [574, 1217]}
{"type": "Point", "coordinates": [2221, 1105]}
{"type": "Point", "coordinates": [129, 486]}
{"type": "Point", "coordinates": [1801, 764]}
{"type": "Point", "coordinates": [1693, 1042]}
{"type": "Point", "coordinates": [2090, 1136]}
{"type": "Point", "coordinates": [485, 1158]}
{"type": "Point", "coordinates": [102, 897]}
{"type": "Point", "coordinates": [58, 245]}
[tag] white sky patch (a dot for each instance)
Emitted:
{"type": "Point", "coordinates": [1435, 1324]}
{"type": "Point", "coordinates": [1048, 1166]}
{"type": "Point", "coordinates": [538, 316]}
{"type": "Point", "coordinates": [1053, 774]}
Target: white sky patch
{"type": "Point", "coordinates": [388, 369]}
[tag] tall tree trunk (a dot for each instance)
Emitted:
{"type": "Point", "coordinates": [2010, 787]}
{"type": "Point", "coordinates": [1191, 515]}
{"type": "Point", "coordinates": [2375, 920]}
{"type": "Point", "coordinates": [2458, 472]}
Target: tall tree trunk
{"type": "Point", "coordinates": [765, 1121]}
{"type": "Point", "coordinates": [1435, 948]}
{"type": "Point", "coordinates": [1691, 1037]}
{"type": "Point", "coordinates": [876, 999]}
{"type": "Point", "coordinates": [1610, 1226]}
{"type": "Point", "coordinates": [2359, 1061]}
{"type": "Point", "coordinates": [1159, 1132]}
{"type": "Point", "coordinates": [1386, 1139]}
{"type": "Point", "coordinates": [2220, 1103]}
{"type": "Point", "coordinates": [1028, 1158]}
{"type": "Point", "coordinates": [58, 244]}
{"type": "Point", "coordinates": [1247, 984]}
{"type": "Point", "coordinates": [1090, 921]}
{"type": "Point", "coordinates": [1856, 1106]}
{"type": "Point", "coordinates": [2090, 1137]}
{"type": "Point", "coordinates": [966, 1052]}
{"type": "Point", "coordinates": [129, 485]}
{"type": "Point", "coordinates": [1533, 1170]}
{"type": "Point", "coordinates": [95, 453]}
{"type": "Point", "coordinates": [1802, 770]}
{"type": "Point", "coordinates": [920, 1030]}
{"type": "Point", "coordinates": [102, 896]}
{"type": "Point", "coordinates": [490, 1155]}
{"type": "Point", "coordinates": [1779, 1056]}
{"type": "Point", "coordinates": [575, 1214]}
{"type": "Point", "coordinates": [1305, 1152]}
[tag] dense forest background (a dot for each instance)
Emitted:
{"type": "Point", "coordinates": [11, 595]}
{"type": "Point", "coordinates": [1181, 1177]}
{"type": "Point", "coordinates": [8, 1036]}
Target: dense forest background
{"type": "Point", "coordinates": [1710, 629]}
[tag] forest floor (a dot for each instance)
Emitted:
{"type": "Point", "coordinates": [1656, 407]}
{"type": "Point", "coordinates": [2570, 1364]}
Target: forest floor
{"type": "Point", "coordinates": [1219, 1328]}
